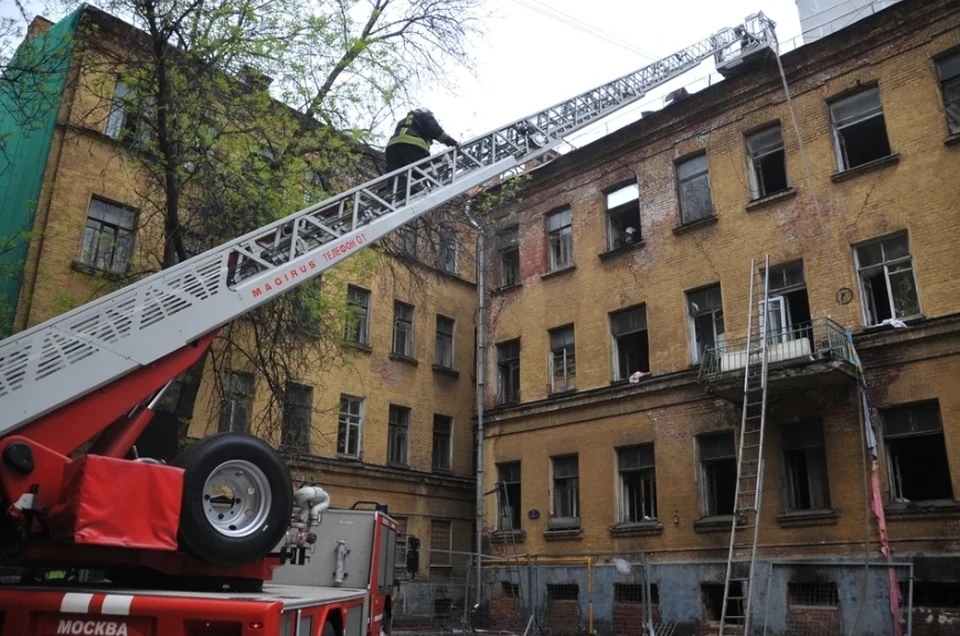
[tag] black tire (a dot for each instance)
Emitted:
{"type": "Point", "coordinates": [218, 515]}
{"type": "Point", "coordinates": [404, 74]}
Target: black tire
{"type": "Point", "coordinates": [329, 630]}
{"type": "Point", "coordinates": [197, 534]}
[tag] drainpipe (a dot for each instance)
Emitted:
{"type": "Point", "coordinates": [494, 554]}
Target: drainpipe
{"type": "Point", "coordinates": [480, 392]}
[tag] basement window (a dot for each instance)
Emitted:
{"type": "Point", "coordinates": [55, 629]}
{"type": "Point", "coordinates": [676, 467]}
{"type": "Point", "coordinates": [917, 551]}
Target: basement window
{"type": "Point", "coordinates": [948, 70]}
{"type": "Point", "coordinates": [631, 349]}
{"type": "Point", "coordinates": [887, 284]}
{"type": "Point", "coordinates": [563, 592]}
{"type": "Point", "coordinates": [917, 466]}
{"type": "Point", "coordinates": [510, 590]}
{"type": "Point", "coordinates": [805, 466]}
{"type": "Point", "coordinates": [704, 320]}
{"type": "Point", "coordinates": [563, 360]}
{"type": "Point", "coordinates": [718, 473]}
{"type": "Point", "coordinates": [638, 484]}
{"type": "Point", "coordinates": [508, 244]}
{"type": "Point", "coordinates": [859, 129]}
{"type": "Point", "coordinates": [768, 165]}
{"type": "Point", "coordinates": [813, 594]}
{"type": "Point", "coordinates": [712, 595]}
{"type": "Point", "coordinates": [623, 216]}
{"type": "Point", "coordinates": [694, 186]}
{"type": "Point", "coordinates": [508, 494]}
{"type": "Point", "coordinates": [931, 594]}
{"type": "Point", "coordinates": [632, 593]}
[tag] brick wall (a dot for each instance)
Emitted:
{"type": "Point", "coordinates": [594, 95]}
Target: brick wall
{"type": "Point", "coordinates": [563, 617]}
{"type": "Point", "coordinates": [505, 610]}
{"type": "Point", "coordinates": [628, 618]}
{"type": "Point", "coordinates": [806, 619]}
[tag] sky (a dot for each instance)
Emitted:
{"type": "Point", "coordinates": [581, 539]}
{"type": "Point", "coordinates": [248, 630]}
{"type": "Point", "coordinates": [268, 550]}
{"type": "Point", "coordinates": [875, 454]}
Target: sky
{"type": "Point", "coordinates": [535, 53]}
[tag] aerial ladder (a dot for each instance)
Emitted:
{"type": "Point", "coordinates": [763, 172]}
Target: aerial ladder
{"type": "Point", "coordinates": [77, 390]}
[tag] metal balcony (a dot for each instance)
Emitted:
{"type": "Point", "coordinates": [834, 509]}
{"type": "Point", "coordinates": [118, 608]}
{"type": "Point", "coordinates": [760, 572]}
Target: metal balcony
{"type": "Point", "coordinates": [811, 354]}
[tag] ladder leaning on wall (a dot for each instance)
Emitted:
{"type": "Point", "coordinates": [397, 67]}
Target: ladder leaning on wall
{"type": "Point", "coordinates": [742, 554]}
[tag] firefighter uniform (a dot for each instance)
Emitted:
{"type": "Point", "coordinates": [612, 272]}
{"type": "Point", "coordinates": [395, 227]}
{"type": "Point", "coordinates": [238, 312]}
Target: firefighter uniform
{"type": "Point", "coordinates": [412, 138]}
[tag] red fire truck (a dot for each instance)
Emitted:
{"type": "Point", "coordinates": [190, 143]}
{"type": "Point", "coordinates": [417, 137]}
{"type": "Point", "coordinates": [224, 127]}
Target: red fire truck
{"type": "Point", "coordinates": [187, 548]}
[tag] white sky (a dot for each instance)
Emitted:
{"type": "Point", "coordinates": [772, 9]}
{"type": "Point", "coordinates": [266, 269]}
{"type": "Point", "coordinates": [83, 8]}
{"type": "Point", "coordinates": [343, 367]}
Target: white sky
{"type": "Point", "coordinates": [528, 61]}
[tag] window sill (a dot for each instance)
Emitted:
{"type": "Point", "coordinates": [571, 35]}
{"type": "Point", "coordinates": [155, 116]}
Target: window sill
{"type": "Point", "coordinates": [441, 471]}
{"type": "Point", "coordinates": [717, 523]}
{"type": "Point", "coordinates": [623, 249]}
{"type": "Point", "coordinates": [398, 466]}
{"type": "Point", "coordinates": [90, 270]}
{"type": "Point", "coordinates": [649, 528]}
{"type": "Point", "coordinates": [506, 403]}
{"type": "Point", "coordinates": [561, 535]}
{"type": "Point", "coordinates": [508, 536]}
{"type": "Point", "coordinates": [453, 373]}
{"type": "Point", "coordinates": [505, 288]}
{"type": "Point", "coordinates": [936, 509]}
{"type": "Point", "coordinates": [952, 140]}
{"type": "Point", "coordinates": [561, 393]}
{"type": "Point", "coordinates": [909, 321]}
{"type": "Point", "coordinates": [763, 202]}
{"type": "Point", "coordinates": [348, 458]}
{"type": "Point", "coordinates": [695, 225]}
{"type": "Point", "coordinates": [559, 272]}
{"type": "Point", "coordinates": [360, 347]}
{"type": "Point", "coordinates": [399, 357]}
{"type": "Point", "coordinates": [870, 166]}
{"type": "Point", "coordinates": [799, 518]}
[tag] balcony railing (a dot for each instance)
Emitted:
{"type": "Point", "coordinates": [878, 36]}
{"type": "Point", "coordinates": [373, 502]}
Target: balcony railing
{"type": "Point", "coordinates": [820, 339]}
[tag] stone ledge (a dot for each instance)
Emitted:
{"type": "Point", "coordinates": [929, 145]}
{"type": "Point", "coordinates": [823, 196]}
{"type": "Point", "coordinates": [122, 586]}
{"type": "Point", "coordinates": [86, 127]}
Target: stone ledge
{"type": "Point", "coordinates": [870, 166]}
{"type": "Point", "coordinates": [941, 509]}
{"type": "Point", "coordinates": [505, 289]}
{"type": "Point", "coordinates": [508, 536]}
{"type": "Point", "coordinates": [569, 269]}
{"type": "Point", "coordinates": [695, 225]}
{"type": "Point", "coordinates": [560, 535]}
{"type": "Point", "coordinates": [637, 529]}
{"type": "Point", "coordinates": [623, 249]}
{"type": "Point", "coordinates": [763, 202]}
{"type": "Point", "coordinates": [359, 346]}
{"type": "Point", "coordinates": [800, 518]}
{"type": "Point", "coordinates": [453, 373]}
{"type": "Point", "coordinates": [717, 523]}
{"type": "Point", "coordinates": [399, 357]}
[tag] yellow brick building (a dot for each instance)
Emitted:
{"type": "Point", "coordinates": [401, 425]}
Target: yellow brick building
{"type": "Point", "coordinates": [631, 257]}
{"type": "Point", "coordinates": [372, 424]}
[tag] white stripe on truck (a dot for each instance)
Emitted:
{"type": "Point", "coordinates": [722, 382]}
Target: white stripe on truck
{"type": "Point", "coordinates": [117, 604]}
{"type": "Point", "coordinates": [75, 603]}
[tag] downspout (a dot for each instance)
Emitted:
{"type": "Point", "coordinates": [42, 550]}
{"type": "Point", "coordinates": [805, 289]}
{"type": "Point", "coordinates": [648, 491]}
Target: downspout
{"type": "Point", "coordinates": [481, 306]}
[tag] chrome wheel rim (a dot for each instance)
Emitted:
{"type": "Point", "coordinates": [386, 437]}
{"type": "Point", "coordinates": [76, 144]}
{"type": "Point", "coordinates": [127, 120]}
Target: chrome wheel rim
{"type": "Point", "coordinates": [237, 498]}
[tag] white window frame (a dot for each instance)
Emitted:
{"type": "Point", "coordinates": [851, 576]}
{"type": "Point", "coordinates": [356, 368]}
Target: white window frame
{"type": "Point", "coordinates": [575, 505]}
{"type": "Point", "coordinates": [568, 360]}
{"type": "Point", "coordinates": [839, 148]}
{"type": "Point", "coordinates": [615, 199]}
{"type": "Point", "coordinates": [754, 156]}
{"type": "Point", "coordinates": [867, 299]}
{"type": "Point", "coordinates": [358, 425]}
{"type": "Point", "coordinates": [561, 236]}
{"type": "Point", "coordinates": [614, 338]}
{"type": "Point", "coordinates": [718, 339]}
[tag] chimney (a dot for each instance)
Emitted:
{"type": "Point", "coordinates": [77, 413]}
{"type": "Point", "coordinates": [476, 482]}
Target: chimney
{"type": "Point", "coordinates": [39, 25]}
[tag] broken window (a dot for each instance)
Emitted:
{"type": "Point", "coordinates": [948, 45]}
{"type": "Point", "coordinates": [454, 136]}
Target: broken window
{"type": "Point", "coordinates": [814, 594]}
{"type": "Point", "coordinates": [563, 591]}
{"type": "Point", "coordinates": [560, 235]}
{"type": "Point", "coordinates": [623, 216]}
{"type": "Point", "coordinates": [887, 284]}
{"type": "Point", "coordinates": [508, 371]}
{"type": "Point", "coordinates": [398, 432]}
{"type": "Point", "coordinates": [509, 496]}
{"type": "Point", "coordinates": [948, 70]}
{"type": "Point", "coordinates": [704, 320]}
{"type": "Point", "coordinates": [510, 590]}
{"type": "Point", "coordinates": [563, 359]}
{"type": "Point", "coordinates": [297, 416]}
{"type": "Point", "coordinates": [357, 323]}
{"type": "Point", "coordinates": [712, 595]}
{"type": "Point", "coordinates": [447, 251]}
{"type": "Point", "coordinates": [442, 442]}
{"type": "Point", "coordinates": [694, 184]}
{"type": "Point", "coordinates": [933, 594]}
{"type": "Point", "coordinates": [638, 484]}
{"type": "Point", "coordinates": [718, 473]}
{"type": "Point", "coordinates": [441, 546]}
{"type": "Point", "coordinates": [349, 423]}
{"type": "Point", "coordinates": [403, 329]}
{"type": "Point", "coordinates": [126, 120]}
{"type": "Point", "coordinates": [859, 129]}
{"type": "Point", "coordinates": [916, 453]}
{"type": "Point", "coordinates": [788, 308]}
{"type": "Point", "coordinates": [768, 165]}
{"type": "Point", "coordinates": [508, 244]}
{"type": "Point", "coordinates": [805, 466]}
{"type": "Point", "coordinates": [108, 237]}
{"type": "Point", "coordinates": [566, 487]}
{"type": "Point", "coordinates": [444, 344]}
{"type": "Point", "coordinates": [236, 411]}
{"type": "Point", "coordinates": [631, 349]}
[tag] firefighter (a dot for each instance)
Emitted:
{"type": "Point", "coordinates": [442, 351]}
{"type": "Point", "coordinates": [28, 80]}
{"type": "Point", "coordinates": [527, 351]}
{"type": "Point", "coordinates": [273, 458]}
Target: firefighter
{"type": "Point", "coordinates": [411, 141]}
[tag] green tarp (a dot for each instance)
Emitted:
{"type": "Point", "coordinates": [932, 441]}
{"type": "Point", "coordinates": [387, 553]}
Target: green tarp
{"type": "Point", "coordinates": [31, 90]}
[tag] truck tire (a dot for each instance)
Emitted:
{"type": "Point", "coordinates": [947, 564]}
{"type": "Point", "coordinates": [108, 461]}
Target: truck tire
{"type": "Point", "coordinates": [237, 499]}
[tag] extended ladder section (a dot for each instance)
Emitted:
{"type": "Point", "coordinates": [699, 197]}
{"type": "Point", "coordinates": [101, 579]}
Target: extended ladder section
{"type": "Point", "coordinates": [56, 362]}
{"type": "Point", "coordinates": [738, 582]}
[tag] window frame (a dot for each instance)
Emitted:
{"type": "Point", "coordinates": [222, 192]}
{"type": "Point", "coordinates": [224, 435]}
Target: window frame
{"type": "Point", "coordinates": [756, 191]}
{"type": "Point", "coordinates": [569, 358]}
{"type": "Point", "coordinates": [952, 55]}
{"type": "Point", "coordinates": [514, 371]}
{"type": "Point", "coordinates": [819, 450]}
{"type": "Point", "coordinates": [718, 338]}
{"type": "Point", "coordinates": [704, 487]}
{"type": "Point", "coordinates": [555, 502]}
{"type": "Point", "coordinates": [514, 506]}
{"type": "Point", "coordinates": [363, 323]}
{"type": "Point", "coordinates": [120, 233]}
{"type": "Point", "coordinates": [446, 467]}
{"type": "Point", "coordinates": [291, 436]}
{"type": "Point", "coordinates": [448, 251]}
{"type": "Point", "coordinates": [681, 180]}
{"type": "Point", "coordinates": [439, 338]}
{"type": "Point", "coordinates": [614, 338]}
{"type": "Point", "coordinates": [508, 244]}
{"type": "Point", "coordinates": [608, 211]}
{"type": "Point", "coordinates": [838, 143]}
{"type": "Point", "coordinates": [348, 425]}
{"type": "Point", "coordinates": [894, 478]}
{"type": "Point", "coordinates": [622, 508]}
{"type": "Point", "coordinates": [398, 321]}
{"type": "Point", "coordinates": [229, 394]}
{"type": "Point", "coordinates": [561, 236]}
{"type": "Point", "coordinates": [398, 428]}
{"type": "Point", "coordinates": [867, 299]}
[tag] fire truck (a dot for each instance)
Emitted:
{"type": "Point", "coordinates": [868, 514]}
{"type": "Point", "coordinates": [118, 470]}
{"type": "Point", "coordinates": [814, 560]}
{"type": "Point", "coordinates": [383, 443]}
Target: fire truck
{"type": "Point", "coordinates": [219, 542]}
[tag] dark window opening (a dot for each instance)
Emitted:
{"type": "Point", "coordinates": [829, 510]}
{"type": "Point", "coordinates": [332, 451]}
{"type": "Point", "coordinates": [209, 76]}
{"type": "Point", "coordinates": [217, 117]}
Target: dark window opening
{"type": "Point", "coordinates": [632, 593]}
{"type": "Point", "coordinates": [630, 343]}
{"type": "Point", "coordinates": [442, 442]}
{"type": "Point", "coordinates": [638, 484]}
{"type": "Point", "coordinates": [510, 590]}
{"type": "Point", "coordinates": [623, 216]}
{"type": "Point", "coordinates": [508, 242]}
{"type": "Point", "coordinates": [768, 162]}
{"type": "Point", "coordinates": [719, 473]}
{"type": "Point", "coordinates": [566, 487]}
{"type": "Point", "coordinates": [948, 68]}
{"type": "Point", "coordinates": [297, 416]}
{"type": "Point", "coordinates": [805, 466]}
{"type": "Point", "coordinates": [819, 593]}
{"type": "Point", "coordinates": [509, 517]}
{"type": "Point", "coordinates": [916, 453]}
{"type": "Point", "coordinates": [860, 129]}
{"type": "Point", "coordinates": [931, 594]}
{"type": "Point", "coordinates": [563, 592]}
{"type": "Point", "coordinates": [508, 371]}
{"type": "Point", "coordinates": [887, 280]}
{"type": "Point", "coordinates": [712, 594]}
